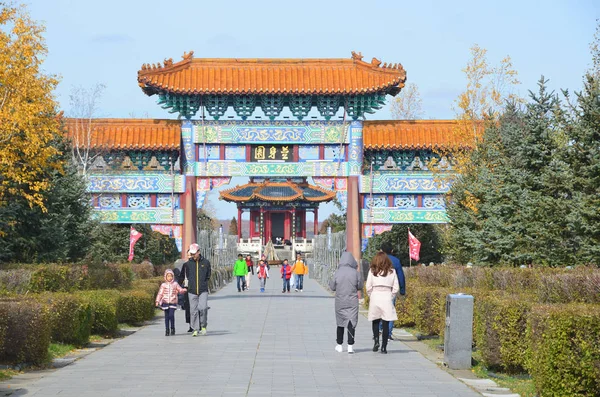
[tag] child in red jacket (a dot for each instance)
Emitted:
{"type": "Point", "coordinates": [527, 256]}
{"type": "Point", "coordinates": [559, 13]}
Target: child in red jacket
{"type": "Point", "coordinates": [286, 274]}
{"type": "Point", "coordinates": [263, 274]}
{"type": "Point", "coordinates": [167, 299]}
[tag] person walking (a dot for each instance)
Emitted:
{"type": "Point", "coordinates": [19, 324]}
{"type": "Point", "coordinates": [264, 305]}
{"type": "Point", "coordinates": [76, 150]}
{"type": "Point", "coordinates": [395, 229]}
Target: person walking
{"type": "Point", "coordinates": [198, 275]}
{"type": "Point", "coordinates": [386, 247]}
{"type": "Point", "coordinates": [263, 274]}
{"type": "Point", "coordinates": [299, 269]}
{"type": "Point", "coordinates": [382, 285]}
{"type": "Point", "coordinates": [183, 280]}
{"type": "Point", "coordinates": [166, 299]}
{"type": "Point", "coordinates": [286, 274]}
{"type": "Point", "coordinates": [240, 269]}
{"type": "Point", "coordinates": [250, 273]}
{"type": "Point", "coordinates": [346, 283]}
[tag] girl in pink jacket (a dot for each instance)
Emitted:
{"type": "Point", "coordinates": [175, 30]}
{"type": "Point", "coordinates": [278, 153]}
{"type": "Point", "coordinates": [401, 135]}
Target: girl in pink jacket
{"type": "Point", "coordinates": [167, 299]}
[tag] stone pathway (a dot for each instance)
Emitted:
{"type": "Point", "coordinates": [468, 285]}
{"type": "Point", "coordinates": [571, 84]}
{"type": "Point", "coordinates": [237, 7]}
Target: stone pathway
{"type": "Point", "coordinates": [258, 344]}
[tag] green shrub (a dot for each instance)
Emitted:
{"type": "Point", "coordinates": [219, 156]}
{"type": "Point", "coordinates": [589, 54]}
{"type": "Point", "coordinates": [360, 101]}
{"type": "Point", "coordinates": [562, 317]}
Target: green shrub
{"type": "Point", "coordinates": [70, 317]}
{"type": "Point", "coordinates": [142, 270]}
{"type": "Point", "coordinates": [429, 310]}
{"type": "Point", "coordinates": [150, 285]}
{"type": "Point", "coordinates": [55, 278]}
{"type": "Point", "coordinates": [111, 276]}
{"type": "Point", "coordinates": [15, 280]}
{"type": "Point", "coordinates": [500, 323]}
{"type": "Point", "coordinates": [404, 309]}
{"type": "Point", "coordinates": [24, 332]}
{"type": "Point", "coordinates": [581, 285]}
{"type": "Point", "coordinates": [103, 305]}
{"type": "Point", "coordinates": [134, 307]}
{"type": "Point", "coordinates": [564, 343]}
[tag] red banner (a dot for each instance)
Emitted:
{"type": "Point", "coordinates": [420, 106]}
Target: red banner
{"type": "Point", "coordinates": [134, 236]}
{"type": "Point", "coordinates": [414, 246]}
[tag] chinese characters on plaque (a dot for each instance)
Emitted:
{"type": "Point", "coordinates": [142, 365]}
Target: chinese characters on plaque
{"type": "Point", "coordinates": [282, 153]}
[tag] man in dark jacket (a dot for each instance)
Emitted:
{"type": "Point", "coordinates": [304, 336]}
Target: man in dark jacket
{"type": "Point", "coordinates": [197, 272]}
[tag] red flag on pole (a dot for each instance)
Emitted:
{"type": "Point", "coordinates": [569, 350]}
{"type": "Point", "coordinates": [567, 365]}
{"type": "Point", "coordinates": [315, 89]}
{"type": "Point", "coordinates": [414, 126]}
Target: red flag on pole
{"type": "Point", "coordinates": [134, 236]}
{"type": "Point", "coordinates": [414, 246]}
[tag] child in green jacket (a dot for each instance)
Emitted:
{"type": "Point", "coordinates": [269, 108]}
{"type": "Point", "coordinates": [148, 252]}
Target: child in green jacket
{"type": "Point", "coordinates": [240, 269]}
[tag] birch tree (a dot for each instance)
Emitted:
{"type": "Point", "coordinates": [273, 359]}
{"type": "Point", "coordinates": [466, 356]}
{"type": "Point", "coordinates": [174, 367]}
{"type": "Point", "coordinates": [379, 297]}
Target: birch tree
{"type": "Point", "coordinates": [84, 103]}
{"type": "Point", "coordinates": [407, 105]}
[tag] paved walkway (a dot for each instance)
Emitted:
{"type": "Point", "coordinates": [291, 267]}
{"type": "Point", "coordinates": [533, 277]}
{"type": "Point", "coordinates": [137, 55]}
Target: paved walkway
{"type": "Point", "coordinates": [258, 344]}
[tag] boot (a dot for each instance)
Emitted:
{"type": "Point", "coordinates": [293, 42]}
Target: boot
{"type": "Point", "coordinates": [167, 332]}
{"type": "Point", "coordinates": [376, 344]}
{"type": "Point", "coordinates": [383, 349]}
{"type": "Point", "coordinates": [172, 331]}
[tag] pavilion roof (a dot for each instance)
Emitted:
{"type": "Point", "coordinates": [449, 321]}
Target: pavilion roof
{"type": "Point", "coordinates": [235, 76]}
{"type": "Point", "coordinates": [277, 192]}
{"type": "Point", "coordinates": [121, 134]}
{"type": "Point", "coordinates": [414, 134]}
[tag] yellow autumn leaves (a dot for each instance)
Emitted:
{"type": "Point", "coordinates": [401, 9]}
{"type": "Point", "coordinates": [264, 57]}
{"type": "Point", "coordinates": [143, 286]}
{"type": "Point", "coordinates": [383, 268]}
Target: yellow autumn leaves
{"type": "Point", "coordinates": [28, 120]}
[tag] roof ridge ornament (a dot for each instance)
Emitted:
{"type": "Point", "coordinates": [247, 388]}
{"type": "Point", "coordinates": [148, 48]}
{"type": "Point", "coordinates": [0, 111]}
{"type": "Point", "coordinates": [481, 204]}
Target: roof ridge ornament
{"type": "Point", "coordinates": [188, 56]}
{"type": "Point", "coordinates": [375, 62]}
{"type": "Point", "coordinates": [357, 56]}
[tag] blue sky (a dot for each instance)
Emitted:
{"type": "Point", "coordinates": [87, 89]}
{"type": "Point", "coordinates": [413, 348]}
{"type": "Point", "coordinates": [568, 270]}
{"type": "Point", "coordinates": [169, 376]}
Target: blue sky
{"type": "Point", "coordinates": [107, 41]}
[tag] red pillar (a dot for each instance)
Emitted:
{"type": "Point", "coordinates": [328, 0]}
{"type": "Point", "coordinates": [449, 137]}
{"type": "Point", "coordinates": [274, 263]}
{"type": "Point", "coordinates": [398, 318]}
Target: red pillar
{"type": "Point", "coordinates": [316, 220]}
{"type": "Point", "coordinates": [189, 215]}
{"type": "Point", "coordinates": [287, 226]}
{"type": "Point", "coordinates": [353, 219]}
{"type": "Point", "coordinates": [239, 224]}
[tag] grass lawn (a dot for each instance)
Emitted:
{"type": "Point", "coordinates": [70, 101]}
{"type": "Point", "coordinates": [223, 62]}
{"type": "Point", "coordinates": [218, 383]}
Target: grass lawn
{"type": "Point", "coordinates": [7, 374]}
{"type": "Point", "coordinates": [57, 350]}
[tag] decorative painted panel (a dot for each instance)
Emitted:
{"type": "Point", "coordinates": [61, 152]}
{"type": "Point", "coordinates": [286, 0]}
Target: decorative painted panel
{"type": "Point", "coordinates": [313, 168]}
{"type": "Point", "coordinates": [378, 200]}
{"type": "Point", "coordinates": [404, 183]}
{"type": "Point", "coordinates": [434, 201]}
{"type": "Point", "coordinates": [189, 154]}
{"type": "Point", "coordinates": [372, 230]}
{"type": "Point", "coordinates": [405, 201]}
{"type": "Point", "coordinates": [299, 132]}
{"type": "Point", "coordinates": [150, 215]}
{"type": "Point", "coordinates": [333, 152]}
{"type": "Point", "coordinates": [308, 152]}
{"type": "Point", "coordinates": [138, 201]}
{"type": "Point", "coordinates": [355, 150]}
{"type": "Point", "coordinates": [109, 201]}
{"type": "Point", "coordinates": [143, 183]}
{"type": "Point", "coordinates": [235, 152]}
{"type": "Point", "coordinates": [390, 215]}
{"type": "Point", "coordinates": [210, 152]}
{"type": "Point", "coordinates": [167, 201]}
{"type": "Point", "coordinates": [171, 231]}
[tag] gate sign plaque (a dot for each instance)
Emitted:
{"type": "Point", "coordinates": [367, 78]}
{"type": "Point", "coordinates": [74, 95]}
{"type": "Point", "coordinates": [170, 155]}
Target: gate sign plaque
{"type": "Point", "coordinates": [283, 153]}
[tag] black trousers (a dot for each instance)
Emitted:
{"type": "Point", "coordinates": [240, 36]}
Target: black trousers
{"type": "Point", "coordinates": [169, 317]}
{"type": "Point", "coordinates": [340, 334]}
{"type": "Point", "coordinates": [385, 331]}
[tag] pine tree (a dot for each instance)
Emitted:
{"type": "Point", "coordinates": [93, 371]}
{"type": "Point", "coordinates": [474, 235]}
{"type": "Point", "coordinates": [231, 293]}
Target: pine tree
{"type": "Point", "coordinates": [233, 227]}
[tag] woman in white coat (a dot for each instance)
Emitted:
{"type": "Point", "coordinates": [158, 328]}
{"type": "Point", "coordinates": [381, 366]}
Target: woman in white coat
{"type": "Point", "coordinates": [382, 285]}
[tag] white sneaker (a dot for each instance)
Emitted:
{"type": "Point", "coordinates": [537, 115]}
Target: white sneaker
{"type": "Point", "coordinates": [338, 348]}
{"type": "Point", "coordinates": [350, 349]}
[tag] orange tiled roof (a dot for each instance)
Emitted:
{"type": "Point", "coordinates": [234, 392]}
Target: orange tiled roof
{"type": "Point", "coordinates": [413, 134]}
{"type": "Point", "coordinates": [272, 76]}
{"type": "Point", "coordinates": [118, 134]}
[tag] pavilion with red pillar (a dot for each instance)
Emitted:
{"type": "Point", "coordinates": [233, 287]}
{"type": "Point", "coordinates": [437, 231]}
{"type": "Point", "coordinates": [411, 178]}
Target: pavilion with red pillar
{"type": "Point", "coordinates": [277, 207]}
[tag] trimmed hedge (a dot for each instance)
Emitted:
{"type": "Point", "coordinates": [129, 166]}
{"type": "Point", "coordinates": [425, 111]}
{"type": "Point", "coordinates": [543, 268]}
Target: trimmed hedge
{"type": "Point", "coordinates": [564, 343]}
{"type": "Point", "coordinates": [135, 307]}
{"type": "Point", "coordinates": [500, 323]}
{"type": "Point", "coordinates": [429, 310]}
{"type": "Point", "coordinates": [111, 276]}
{"type": "Point", "coordinates": [70, 317]}
{"type": "Point", "coordinates": [24, 332]}
{"type": "Point", "coordinates": [54, 278]}
{"type": "Point", "coordinates": [405, 310]}
{"type": "Point", "coordinates": [103, 306]}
